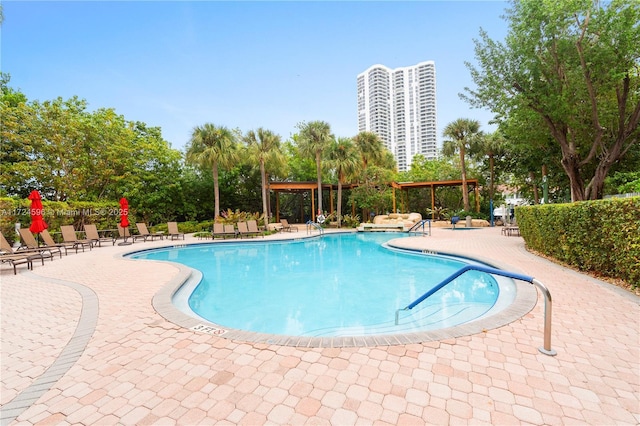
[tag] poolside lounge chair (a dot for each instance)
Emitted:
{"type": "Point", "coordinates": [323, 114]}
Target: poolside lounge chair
{"type": "Point", "coordinates": [245, 231]}
{"type": "Point", "coordinates": [69, 237]}
{"type": "Point", "coordinates": [253, 227]}
{"type": "Point", "coordinates": [8, 255]}
{"type": "Point", "coordinates": [218, 230]}
{"type": "Point", "coordinates": [223, 231]}
{"type": "Point", "coordinates": [173, 230]}
{"type": "Point", "coordinates": [123, 233]}
{"type": "Point", "coordinates": [94, 236]}
{"type": "Point", "coordinates": [30, 244]}
{"type": "Point", "coordinates": [144, 233]}
{"type": "Point", "coordinates": [49, 242]}
{"type": "Point", "coordinates": [17, 259]}
{"type": "Point", "coordinates": [230, 231]}
{"type": "Point", "coordinates": [286, 227]}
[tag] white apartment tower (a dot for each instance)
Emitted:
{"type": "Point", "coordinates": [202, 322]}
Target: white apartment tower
{"type": "Point", "coordinates": [399, 105]}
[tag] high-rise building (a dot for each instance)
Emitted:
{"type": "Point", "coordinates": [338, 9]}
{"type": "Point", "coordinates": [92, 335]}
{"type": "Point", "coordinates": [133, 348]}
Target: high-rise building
{"type": "Point", "coordinates": [399, 105]}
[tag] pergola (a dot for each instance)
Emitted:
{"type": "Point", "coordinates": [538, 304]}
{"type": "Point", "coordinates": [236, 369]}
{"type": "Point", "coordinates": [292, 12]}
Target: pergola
{"type": "Point", "coordinates": [405, 186]}
{"type": "Point", "coordinates": [278, 187]}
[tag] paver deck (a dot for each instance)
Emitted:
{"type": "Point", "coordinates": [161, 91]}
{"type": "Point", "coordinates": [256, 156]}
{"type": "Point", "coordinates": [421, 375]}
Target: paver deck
{"type": "Point", "coordinates": [82, 344]}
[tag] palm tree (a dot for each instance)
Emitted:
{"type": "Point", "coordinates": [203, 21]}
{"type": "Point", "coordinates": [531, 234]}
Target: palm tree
{"type": "Point", "coordinates": [461, 136]}
{"type": "Point", "coordinates": [264, 147]}
{"type": "Point", "coordinates": [491, 145]}
{"type": "Point", "coordinates": [314, 139]}
{"type": "Point", "coordinates": [370, 146]}
{"type": "Point", "coordinates": [214, 147]}
{"type": "Point", "coordinates": [344, 158]}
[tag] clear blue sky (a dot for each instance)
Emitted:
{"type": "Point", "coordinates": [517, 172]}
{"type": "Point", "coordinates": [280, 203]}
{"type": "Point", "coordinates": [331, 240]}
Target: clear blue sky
{"type": "Point", "coordinates": [178, 65]}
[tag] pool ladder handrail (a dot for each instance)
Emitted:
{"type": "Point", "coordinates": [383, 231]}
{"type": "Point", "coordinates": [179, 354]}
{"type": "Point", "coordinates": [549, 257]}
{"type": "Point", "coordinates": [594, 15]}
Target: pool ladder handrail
{"type": "Point", "coordinates": [546, 349]}
{"type": "Point", "coordinates": [311, 224]}
{"type": "Point", "coordinates": [418, 225]}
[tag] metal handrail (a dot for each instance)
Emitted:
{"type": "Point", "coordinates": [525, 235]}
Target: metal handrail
{"type": "Point", "coordinates": [546, 349]}
{"type": "Point", "coordinates": [417, 225]}
{"type": "Point", "coordinates": [311, 223]}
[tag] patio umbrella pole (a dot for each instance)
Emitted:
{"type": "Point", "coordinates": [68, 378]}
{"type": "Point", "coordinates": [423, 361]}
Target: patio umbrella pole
{"type": "Point", "coordinates": [124, 220]}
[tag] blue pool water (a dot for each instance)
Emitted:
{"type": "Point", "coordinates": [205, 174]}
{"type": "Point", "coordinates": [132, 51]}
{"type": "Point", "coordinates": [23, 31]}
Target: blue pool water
{"type": "Point", "coordinates": [336, 285]}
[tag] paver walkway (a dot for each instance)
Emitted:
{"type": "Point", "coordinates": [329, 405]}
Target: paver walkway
{"type": "Point", "coordinates": [82, 344]}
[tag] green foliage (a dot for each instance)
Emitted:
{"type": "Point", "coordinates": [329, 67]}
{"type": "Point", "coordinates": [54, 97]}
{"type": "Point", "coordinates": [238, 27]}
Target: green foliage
{"type": "Point", "coordinates": [438, 213]}
{"type": "Point", "coordinates": [601, 236]}
{"type": "Point", "coordinates": [623, 183]}
{"type": "Point", "coordinates": [315, 138]}
{"type": "Point", "coordinates": [566, 75]}
{"type": "Point", "coordinates": [346, 221]}
{"type": "Point", "coordinates": [373, 193]}
{"type": "Point", "coordinates": [68, 153]}
{"type": "Point", "coordinates": [214, 147]}
{"type": "Point", "coordinates": [233, 217]}
{"type": "Point", "coordinates": [423, 170]}
{"type": "Point", "coordinates": [462, 136]}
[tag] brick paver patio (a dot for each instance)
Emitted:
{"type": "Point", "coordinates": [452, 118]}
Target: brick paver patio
{"type": "Point", "coordinates": [82, 344]}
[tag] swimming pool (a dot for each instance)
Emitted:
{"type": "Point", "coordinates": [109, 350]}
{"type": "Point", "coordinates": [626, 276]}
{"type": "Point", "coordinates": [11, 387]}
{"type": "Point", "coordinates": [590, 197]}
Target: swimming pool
{"type": "Point", "coordinates": [334, 286]}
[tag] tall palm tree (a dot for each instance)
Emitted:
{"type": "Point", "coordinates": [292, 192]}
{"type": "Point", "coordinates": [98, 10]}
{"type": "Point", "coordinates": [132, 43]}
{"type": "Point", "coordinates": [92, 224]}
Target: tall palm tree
{"type": "Point", "coordinates": [215, 147]}
{"type": "Point", "coordinates": [370, 146]}
{"type": "Point", "coordinates": [461, 136]}
{"type": "Point", "coordinates": [491, 145]}
{"type": "Point", "coordinates": [314, 139]}
{"type": "Point", "coordinates": [344, 158]}
{"type": "Point", "coordinates": [263, 146]}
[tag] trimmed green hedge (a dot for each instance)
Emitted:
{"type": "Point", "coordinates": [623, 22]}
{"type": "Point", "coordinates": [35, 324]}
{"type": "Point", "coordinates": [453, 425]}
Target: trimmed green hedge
{"type": "Point", "coordinates": [601, 236]}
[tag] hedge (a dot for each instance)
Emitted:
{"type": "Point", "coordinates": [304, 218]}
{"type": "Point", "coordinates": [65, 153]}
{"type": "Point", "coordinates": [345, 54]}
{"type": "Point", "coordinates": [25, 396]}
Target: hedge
{"type": "Point", "coordinates": [601, 236]}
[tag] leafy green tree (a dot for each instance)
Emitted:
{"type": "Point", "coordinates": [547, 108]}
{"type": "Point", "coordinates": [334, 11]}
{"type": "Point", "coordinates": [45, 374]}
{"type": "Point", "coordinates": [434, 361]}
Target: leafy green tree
{"type": "Point", "coordinates": [300, 168]}
{"type": "Point", "coordinates": [15, 153]}
{"type": "Point", "coordinates": [373, 193]}
{"type": "Point", "coordinates": [423, 170]}
{"type": "Point", "coordinates": [155, 182]}
{"type": "Point", "coordinates": [343, 157]}
{"type": "Point", "coordinates": [462, 135]}
{"type": "Point", "coordinates": [574, 68]}
{"type": "Point", "coordinates": [314, 138]}
{"type": "Point", "coordinates": [213, 147]}
{"type": "Point", "coordinates": [263, 147]}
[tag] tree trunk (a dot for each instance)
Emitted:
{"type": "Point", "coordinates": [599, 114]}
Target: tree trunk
{"type": "Point", "coordinates": [339, 210]}
{"type": "Point", "coordinates": [319, 174]}
{"type": "Point", "coordinates": [465, 193]}
{"type": "Point", "coordinates": [571, 166]}
{"type": "Point", "coordinates": [595, 188]}
{"type": "Point", "coordinates": [266, 178]}
{"type": "Point", "coordinates": [264, 192]}
{"type": "Point", "coordinates": [536, 199]}
{"type": "Point", "coordinates": [216, 191]}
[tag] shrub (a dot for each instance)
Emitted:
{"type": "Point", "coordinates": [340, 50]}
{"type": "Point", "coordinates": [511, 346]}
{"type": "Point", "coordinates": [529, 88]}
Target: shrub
{"type": "Point", "coordinates": [601, 236]}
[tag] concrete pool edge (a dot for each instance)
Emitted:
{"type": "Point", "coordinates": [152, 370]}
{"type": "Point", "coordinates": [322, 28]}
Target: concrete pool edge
{"type": "Point", "coordinates": [525, 300]}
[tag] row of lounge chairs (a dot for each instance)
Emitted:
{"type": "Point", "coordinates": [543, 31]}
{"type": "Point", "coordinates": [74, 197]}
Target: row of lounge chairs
{"type": "Point", "coordinates": [143, 233]}
{"type": "Point", "coordinates": [30, 249]}
{"type": "Point", "coordinates": [247, 228]}
{"type": "Point", "coordinates": [243, 229]}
